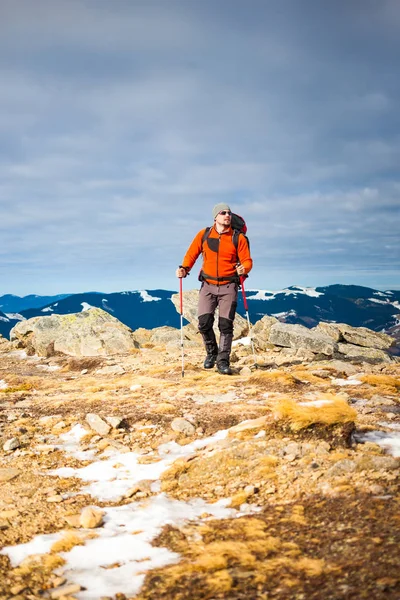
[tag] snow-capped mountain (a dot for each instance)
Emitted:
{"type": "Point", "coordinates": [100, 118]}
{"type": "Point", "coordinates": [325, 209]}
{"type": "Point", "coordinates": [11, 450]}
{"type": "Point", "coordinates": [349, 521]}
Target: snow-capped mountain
{"type": "Point", "coordinates": [356, 305]}
{"type": "Point", "coordinates": [14, 304]}
{"type": "Point", "coordinates": [141, 308]}
{"type": "Point", "coordinates": [7, 322]}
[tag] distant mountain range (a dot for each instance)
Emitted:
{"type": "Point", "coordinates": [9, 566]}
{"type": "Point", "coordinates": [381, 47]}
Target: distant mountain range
{"type": "Point", "coordinates": [356, 305]}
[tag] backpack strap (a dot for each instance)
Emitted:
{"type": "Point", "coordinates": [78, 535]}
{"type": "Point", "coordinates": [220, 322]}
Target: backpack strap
{"type": "Point", "coordinates": [206, 235]}
{"type": "Point", "coordinates": [235, 238]}
{"type": "Point", "coordinates": [235, 241]}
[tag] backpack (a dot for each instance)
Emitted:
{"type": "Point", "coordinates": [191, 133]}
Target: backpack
{"type": "Point", "coordinates": [238, 225]}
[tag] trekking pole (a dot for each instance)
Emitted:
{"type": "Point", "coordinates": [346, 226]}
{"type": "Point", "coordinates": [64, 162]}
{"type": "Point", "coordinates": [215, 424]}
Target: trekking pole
{"type": "Point", "coordinates": [181, 313]}
{"type": "Point", "coordinates": [246, 308]}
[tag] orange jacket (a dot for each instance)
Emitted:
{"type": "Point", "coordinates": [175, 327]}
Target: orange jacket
{"type": "Point", "coordinates": [219, 255]}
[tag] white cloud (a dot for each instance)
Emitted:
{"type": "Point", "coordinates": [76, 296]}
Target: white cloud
{"type": "Point", "coordinates": [122, 124]}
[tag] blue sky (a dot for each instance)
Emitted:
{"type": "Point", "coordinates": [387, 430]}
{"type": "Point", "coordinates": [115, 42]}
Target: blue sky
{"type": "Point", "coordinates": [122, 122]}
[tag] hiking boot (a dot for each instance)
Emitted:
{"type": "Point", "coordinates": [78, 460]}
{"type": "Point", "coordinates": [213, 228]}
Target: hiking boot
{"type": "Point", "coordinates": [224, 368]}
{"type": "Point", "coordinates": [210, 361]}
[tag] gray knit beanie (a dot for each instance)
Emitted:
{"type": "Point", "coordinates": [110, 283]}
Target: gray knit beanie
{"type": "Point", "coordinates": [217, 209]}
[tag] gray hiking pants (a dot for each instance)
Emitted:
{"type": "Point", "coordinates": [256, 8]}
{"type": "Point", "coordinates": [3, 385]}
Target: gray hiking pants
{"type": "Point", "coordinates": [225, 297]}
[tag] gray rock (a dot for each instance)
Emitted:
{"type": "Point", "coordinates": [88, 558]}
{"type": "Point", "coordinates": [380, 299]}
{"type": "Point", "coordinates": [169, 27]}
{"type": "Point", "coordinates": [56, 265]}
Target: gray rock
{"type": "Point", "coordinates": [377, 463]}
{"type": "Point", "coordinates": [66, 590]}
{"type": "Point", "coordinates": [91, 332]}
{"type": "Point", "coordinates": [298, 336]}
{"type": "Point", "coordinates": [163, 335]}
{"type": "Point", "coordinates": [91, 517]}
{"type": "Point", "coordinates": [115, 422]}
{"type": "Point", "coordinates": [111, 370]}
{"type": "Point", "coordinates": [245, 371]}
{"type": "Point", "coordinates": [7, 474]}
{"type": "Point", "coordinates": [341, 367]}
{"type": "Point", "coordinates": [342, 467]}
{"type": "Point", "coordinates": [182, 426]}
{"type": "Point", "coordinates": [11, 444]}
{"type": "Point", "coordinates": [365, 463]}
{"type": "Point", "coordinates": [261, 331]}
{"type": "Point", "coordinates": [323, 373]}
{"type": "Point", "coordinates": [359, 336]}
{"type": "Point", "coordinates": [329, 329]}
{"type": "Point", "coordinates": [362, 354]}
{"type": "Point", "coordinates": [322, 449]}
{"type": "Point", "coordinates": [378, 400]}
{"type": "Point", "coordinates": [142, 335]}
{"type": "Point", "coordinates": [293, 449]}
{"type": "Point", "coordinates": [97, 424]}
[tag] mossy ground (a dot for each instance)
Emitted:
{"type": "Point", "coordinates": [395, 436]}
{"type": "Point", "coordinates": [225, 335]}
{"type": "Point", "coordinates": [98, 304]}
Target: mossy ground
{"type": "Point", "coordinates": [317, 536]}
{"type": "Point", "coordinates": [337, 550]}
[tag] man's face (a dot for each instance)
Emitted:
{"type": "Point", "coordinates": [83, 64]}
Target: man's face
{"type": "Point", "coordinates": [224, 218]}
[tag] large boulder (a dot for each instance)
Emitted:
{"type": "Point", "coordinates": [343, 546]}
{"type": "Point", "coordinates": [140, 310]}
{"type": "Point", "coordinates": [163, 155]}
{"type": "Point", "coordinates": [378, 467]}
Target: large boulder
{"type": "Point", "coordinates": [299, 337]}
{"type": "Point", "coordinates": [362, 354]}
{"type": "Point", "coordinates": [163, 335]}
{"type": "Point", "coordinates": [358, 336]}
{"type": "Point", "coordinates": [92, 332]}
{"type": "Point", "coordinates": [142, 335]}
{"type": "Point", "coordinates": [5, 345]}
{"type": "Point", "coordinates": [190, 303]}
{"type": "Point", "coordinates": [261, 331]}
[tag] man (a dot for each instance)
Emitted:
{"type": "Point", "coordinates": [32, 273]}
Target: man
{"type": "Point", "coordinates": [222, 266]}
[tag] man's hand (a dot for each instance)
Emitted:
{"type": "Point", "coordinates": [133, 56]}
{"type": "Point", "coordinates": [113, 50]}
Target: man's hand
{"type": "Point", "coordinates": [240, 270]}
{"type": "Point", "coordinates": [181, 272]}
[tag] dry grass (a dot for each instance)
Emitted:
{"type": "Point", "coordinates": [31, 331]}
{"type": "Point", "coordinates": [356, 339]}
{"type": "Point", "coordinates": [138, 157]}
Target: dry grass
{"type": "Point", "coordinates": [67, 542]}
{"type": "Point", "coordinates": [300, 417]}
{"type": "Point", "coordinates": [240, 545]}
{"type": "Point", "coordinates": [246, 461]}
{"type": "Point", "coordinates": [386, 384]}
{"type": "Point", "coordinates": [306, 376]}
{"type": "Point", "coordinates": [275, 378]}
{"type": "Point", "coordinates": [45, 563]}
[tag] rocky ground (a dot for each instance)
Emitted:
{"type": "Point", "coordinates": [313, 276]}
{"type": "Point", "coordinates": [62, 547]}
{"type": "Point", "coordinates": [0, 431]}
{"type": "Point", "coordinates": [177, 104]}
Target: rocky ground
{"type": "Point", "coordinates": [266, 484]}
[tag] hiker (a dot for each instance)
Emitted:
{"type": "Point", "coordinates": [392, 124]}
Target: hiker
{"type": "Point", "coordinates": [226, 257]}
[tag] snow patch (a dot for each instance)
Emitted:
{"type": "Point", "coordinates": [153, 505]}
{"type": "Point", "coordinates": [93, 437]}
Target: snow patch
{"type": "Point", "coordinates": [378, 301]}
{"type": "Point", "coordinates": [342, 382]}
{"type": "Point", "coordinates": [245, 341]}
{"type": "Point", "coordinates": [15, 316]}
{"type": "Point", "coordinates": [146, 296]}
{"type": "Point", "coordinates": [316, 403]}
{"type": "Point", "coordinates": [289, 313]}
{"type": "Point", "coordinates": [388, 441]}
{"type": "Point", "coordinates": [86, 306]}
{"type": "Point", "coordinates": [125, 540]}
{"type": "Point", "coordinates": [3, 385]}
{"type": "Point", "coordinates": [262, 295]}
{"type": "Point", "coordinates": [21, 354]}
{"type": "Point", "coordinates": [395, 426]}
{"type": "Point", "coordinates": [106, 306]}
{"type": "Point", "coordinates": [270, 295]}
{"type": "Point", "coordinates": [124, 470]}
{"type": "Point", "coordinates": [48, 367]}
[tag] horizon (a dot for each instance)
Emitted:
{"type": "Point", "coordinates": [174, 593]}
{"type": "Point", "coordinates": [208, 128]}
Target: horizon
{"type": "Point", "coordinates": [248, 289]}
{"type": "Point", "coordinates": [122, 124]}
